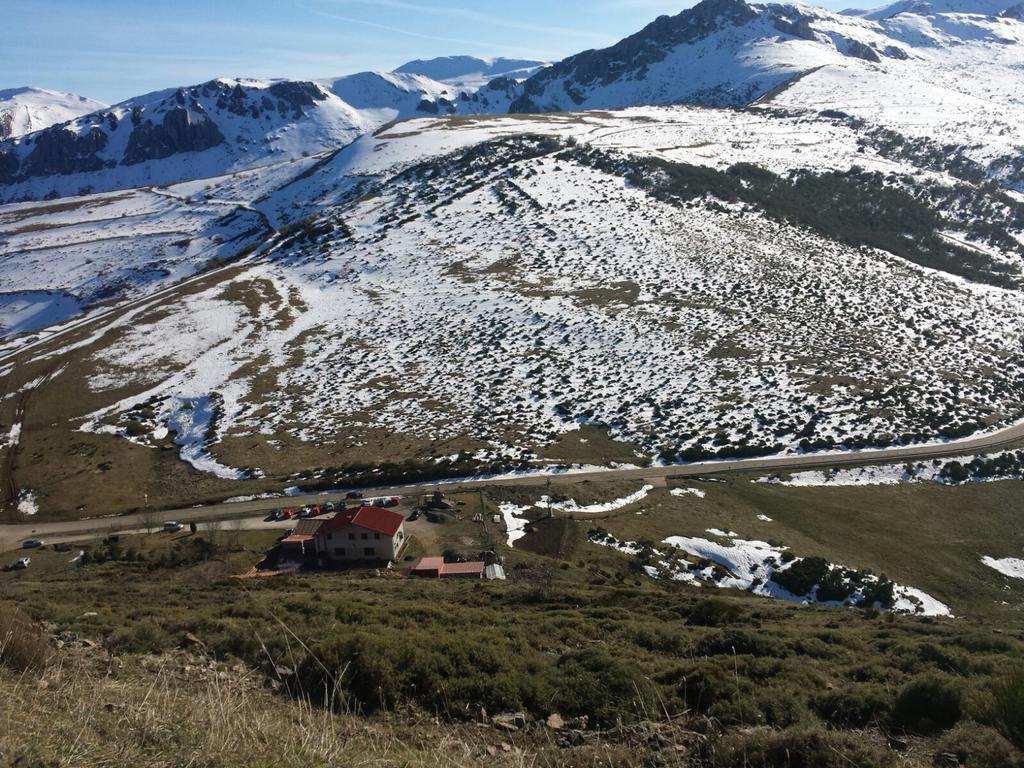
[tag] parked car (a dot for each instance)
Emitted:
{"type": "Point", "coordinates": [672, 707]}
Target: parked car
{"type": "Point", "coordinates": [172, 526]}
{"type": "Point", "coordinates": [33, 544]}
{"type": "Point", "coordinates": [353, 495]}
{"type": "Point", "coordinates": [414, 516]}
{"type": "Point", "coordinates": [328, 508]}
{"type": "Point", "coordinates": [303, 513]}
{"type": "Point", "coordinates": [316, 510]}
{"type": "Point", "coordinates": [287, 514]}
{"type": "Point", "coordinates": [18, 565]}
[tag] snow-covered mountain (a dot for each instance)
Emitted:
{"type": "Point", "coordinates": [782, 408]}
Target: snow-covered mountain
{"type": "Point", "coordinates": [387, 96]}
{"type": "Point", "coordinates": [228, 125]}
{"type": "Point", "coordinates": [175, 134]}
{"type": "Point", "coordinates": [24, 110]}
{"type": "Point", "coordinates": [931, 7]}
{"type": "Point", "coordinates": [472, 71]}
{"type": "Point", "coordinates": [962, 59]}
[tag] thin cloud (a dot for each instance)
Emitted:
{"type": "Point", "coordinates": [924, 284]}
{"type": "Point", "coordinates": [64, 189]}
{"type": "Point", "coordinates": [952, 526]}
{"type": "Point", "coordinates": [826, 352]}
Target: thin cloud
{"type": "Point", "coordinates": [475, 16]}
{"type": "Point", "coordinates": [419, 35]}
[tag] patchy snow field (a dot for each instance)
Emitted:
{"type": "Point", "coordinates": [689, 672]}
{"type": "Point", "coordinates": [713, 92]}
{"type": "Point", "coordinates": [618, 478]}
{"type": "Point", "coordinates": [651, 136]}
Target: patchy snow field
{"type": "Point", "coordinates": [1000, 467]}
{"type": "Point", "coordinates": [506, 296]}
{"type": "Point", "coordinates": [751, 565]}
{"type": "Point", "coordinates": [1008, 566]}
{"type": "Point", "coordinates": [573, 507]}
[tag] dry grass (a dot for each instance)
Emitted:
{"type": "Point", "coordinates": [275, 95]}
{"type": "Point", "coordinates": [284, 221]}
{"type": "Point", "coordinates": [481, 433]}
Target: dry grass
{"type": "Point", "coordinates": [23, 646]}
{"type": "Point", "coordinates": [179, 709]}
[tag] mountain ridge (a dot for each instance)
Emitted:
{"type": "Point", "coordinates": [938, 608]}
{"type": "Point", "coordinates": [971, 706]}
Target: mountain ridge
{"type": "Point", "coordinates": [26, 109]}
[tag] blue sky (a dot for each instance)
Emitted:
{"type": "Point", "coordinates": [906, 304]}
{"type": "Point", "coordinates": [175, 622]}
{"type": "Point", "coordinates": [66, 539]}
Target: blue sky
{"type": "Point", "coordinates": [114, 49]}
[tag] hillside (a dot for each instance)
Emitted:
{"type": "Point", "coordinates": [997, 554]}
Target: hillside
{"type": "Point", "coordinates": [224, 126]}
{"type": "Point", "coordinates": [24, 110]}
{"type": "Point", "coordinates": [580, 657]}
{"type": "Point", "coordinates": [471, 70]}
{"type": "Point", "coordinates": [452, 292]}
{"type": "Point", "coordinates": [731, 53]}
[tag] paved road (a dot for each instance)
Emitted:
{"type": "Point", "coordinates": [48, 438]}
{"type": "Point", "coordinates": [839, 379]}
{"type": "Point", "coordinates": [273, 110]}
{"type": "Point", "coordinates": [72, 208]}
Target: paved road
{"type": "Point", "coordinates": [258, 508]}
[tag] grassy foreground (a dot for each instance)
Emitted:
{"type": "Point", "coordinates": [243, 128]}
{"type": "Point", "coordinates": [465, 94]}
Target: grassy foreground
{"type": "Point", "coordinates": [157, 654]}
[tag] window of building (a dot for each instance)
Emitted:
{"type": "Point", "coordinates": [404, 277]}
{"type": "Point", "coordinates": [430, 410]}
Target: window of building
{"type": "Point", "coordinates": [376, 536]}
{"type": "Point", "coordinates": [339, 551]}
{"type": "Point", "coordinates": [368, 552]}
{"type": "Point", "coordinates": [365, 536]}
{"type": "Point", "coordinates": [351, 537]}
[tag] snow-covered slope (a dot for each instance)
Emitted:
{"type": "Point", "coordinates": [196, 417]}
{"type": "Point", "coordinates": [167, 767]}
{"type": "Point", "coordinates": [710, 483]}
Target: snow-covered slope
{"type": "Point", "coordinates": [919, 69]}
{"type": "Point", "coordinates": [471, 70]}
{"type": "Point", "coordinates": [24, 110]}
{"type": "Point", "coordinates": [387, 96]}
{"type": "Point", "coordinates": [167, 136]}
{"type": "Point", "coordinates": [931, 7]}
{"type": "Point", "coordinates": [483, 287]}
{"type": "Point", "coordinates": [729, 52]}
{"type": "Point", "coordinates": [223, 126]}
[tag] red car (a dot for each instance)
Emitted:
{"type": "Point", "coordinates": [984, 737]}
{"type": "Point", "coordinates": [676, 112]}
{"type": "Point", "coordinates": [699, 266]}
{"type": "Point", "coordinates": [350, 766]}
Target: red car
{"type": "Point", "coordinates": [289, 514]}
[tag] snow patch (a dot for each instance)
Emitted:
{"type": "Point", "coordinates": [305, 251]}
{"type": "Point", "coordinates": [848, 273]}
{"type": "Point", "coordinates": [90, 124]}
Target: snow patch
{"type": "Point", "coordinates": [27, 502]}
{"type": "Point", "coordinates": [574, 507]}
{"type": "Point", "coordinates": [688, 492]}
{"type": "Point", "coordinates": [191, 420]}
{"type": "Point", "coordinates": [1008, 566]}
{"type": "Point", "coordinates": [514, 525]}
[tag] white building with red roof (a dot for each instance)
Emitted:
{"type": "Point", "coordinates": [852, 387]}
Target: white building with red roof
{"type": "Point", "coordinates": [360, 534]}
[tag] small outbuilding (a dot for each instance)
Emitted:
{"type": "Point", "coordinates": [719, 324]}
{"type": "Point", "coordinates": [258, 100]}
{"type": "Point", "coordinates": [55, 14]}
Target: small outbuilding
{"type": "Point", "coordinates": [437, 568]}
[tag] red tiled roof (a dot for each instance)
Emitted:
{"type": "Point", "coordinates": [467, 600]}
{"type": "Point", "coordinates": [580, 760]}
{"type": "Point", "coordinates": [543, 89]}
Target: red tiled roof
{"type": "Point", "coordinates": [376, 519]}
{"type": "Point", "coordinates": [430, 564]}
{"type": "Point", "coordinates": [462, 569]}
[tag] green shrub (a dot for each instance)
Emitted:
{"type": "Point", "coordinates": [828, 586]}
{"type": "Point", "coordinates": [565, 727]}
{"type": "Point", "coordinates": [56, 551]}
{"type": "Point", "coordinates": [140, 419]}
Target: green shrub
{"type": "Point", "coordinates": [1008, 706]}
{"type": "Point", "coordinates": [978, 746]}
{"type": "Point", "coordinates": [927, 705]}
{"type": "Point", "coordinates": [741, 642]}
{"type": "Point", "coordinates": [854, 707]}
{"type": "Point", "coordinates": [801, 577]}
{"type": "Point", "coordinates": [593, 683]}
{"type": "Point", "coordinates": [144, 636]}
{"type": "Point", "coordinates": [714, 613]}
{"type": "Point", "coordinates": [801, 747]}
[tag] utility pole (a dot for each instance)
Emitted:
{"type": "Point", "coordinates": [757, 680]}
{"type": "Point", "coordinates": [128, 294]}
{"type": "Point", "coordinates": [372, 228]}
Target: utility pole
{"type": "Point", "coordinates": [548, 484]}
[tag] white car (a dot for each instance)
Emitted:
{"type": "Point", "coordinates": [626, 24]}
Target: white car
{"type": "Point", "coordinates": [172, 526]}
{"type": "Point", "coordinates": [18, 565]}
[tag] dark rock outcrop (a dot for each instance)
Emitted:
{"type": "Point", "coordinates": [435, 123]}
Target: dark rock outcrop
{"type": "Point", "coordinates": [860, 50]}
{"type": "Point", "coordinates": [6, 124]}
{"type": "Point", "coordinates": [298, 94]}
{"type": "Point", "coordinates": [8, 167]}
{"type": "Point", "coordinates": [181, 131]}
{"type": "Point", "coordinates": [791, 21]}
{"type": "Point", "coordinates": [61, 151]}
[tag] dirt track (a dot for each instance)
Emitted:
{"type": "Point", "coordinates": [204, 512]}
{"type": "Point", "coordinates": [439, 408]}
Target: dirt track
{"type": "Point", "coordinates": [1011, 436]}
